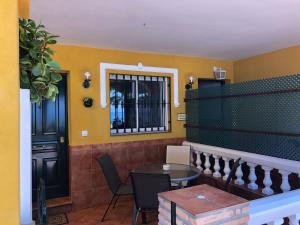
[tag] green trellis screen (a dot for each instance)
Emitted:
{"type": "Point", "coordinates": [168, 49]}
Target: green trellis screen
{"type": "Point", "coordinates": [261, 116]}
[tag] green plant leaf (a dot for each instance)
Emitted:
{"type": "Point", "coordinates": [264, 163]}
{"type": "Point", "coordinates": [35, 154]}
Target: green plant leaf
{"type": "Point", "coordinates": [49, 50]}
{"type": "Point", "coordinates": [24, 80]}
{"type": "Point", "coordinates": [36, 64]}
{"type": "Point", "coordinates": [37, 69]}
{"type": "Point", "coordinates": [55, 77]}
{"type": "Point", "coordinates": [38, 85]}
{"type": "Point", "coordinates": [53, 64]}
{"type": "Point", "coordinates": [33, 53]}
{"type": "Point", "coordinates": [51, 41]}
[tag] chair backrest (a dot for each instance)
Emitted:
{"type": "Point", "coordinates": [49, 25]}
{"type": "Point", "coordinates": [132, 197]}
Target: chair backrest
{"type": "Point", "coordinates": [235, 165]}
{"type": "Point", "coordinates": [110, 172]}
{"type": "Point", "coordinates": [147, 186]}
{"type": "Point", "coordinates": [178, 154]}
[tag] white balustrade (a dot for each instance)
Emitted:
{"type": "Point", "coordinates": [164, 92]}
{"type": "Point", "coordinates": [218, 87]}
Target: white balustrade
{"type": "Point", "coordinates": [294, 219]}
{"type": "Point", "coordinates": [239, 175]}
{"type": "Point", "coordinates": [276, 222]}
{"type": "Point", "coordinates": [273, 209]}
{"type": "Point", "coordinates": [198, 161]}
{"type": "Point", "coordinates": [207, 164]}
{"type": "Point", "coordinates": [267, 181]}
{"type": "Point", "coordinates": [285, 186]}
{"type": "Point", "coordinates": [217, 166]}
{"type": "Point", "coordinates": [252, 177]}
{"type": "Point", "coordinates": [226, 168]}
{"type": "Point", "coordinates": [268, 163]}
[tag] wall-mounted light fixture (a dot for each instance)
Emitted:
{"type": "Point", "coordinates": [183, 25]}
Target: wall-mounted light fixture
{"type": "Point", "coordinates": [88, 102]}
{"type": "Point", "coordinates": [220, 73]}
{"type": "Point", "coordinates": [87, 80]}
{"type": "Point", "coordinates": [189, 85]}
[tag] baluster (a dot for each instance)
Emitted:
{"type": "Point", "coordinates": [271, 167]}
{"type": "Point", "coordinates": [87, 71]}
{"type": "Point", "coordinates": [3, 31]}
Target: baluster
{"type": "Point", "coordinates": [267, 181]}
{"type": "Point", "coordinates": [207, 164]}
{"type": "Point", "coordinates": [239, 175]}
{"type": "Point", "coordinates": [294, 219]}
{"type": "Point", "coordinates": [252, 177]}
{"type": "Point", "coordinates": [192, 158]}
{"type": "Point", "coordinates": [226, 168]}
{"type": "Point", "coordinates": [198, 161]}
{"type": "Point", "coordinates": [216, 166]}
{"type": "Point", "coordinates": [276, 222]}
{"type": "Point", "coordinates": [285, 185]}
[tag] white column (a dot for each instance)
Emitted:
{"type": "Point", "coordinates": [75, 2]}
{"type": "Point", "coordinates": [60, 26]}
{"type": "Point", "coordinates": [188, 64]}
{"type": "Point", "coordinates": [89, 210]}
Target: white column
{"type": "Point", "coordinates": [267, 181]}
{"type": "Point", "coordinates": [252, 177]}
{"type": "Point", "coordinates": [239, 175]}
{"type": "Point", "coordinates": [216, 166]}
{"type": "Point", "coordinates": [226, 168]}
{"type": "Point", "coordinates": [198, 161]}
{"type": "Point", "coordinates": [294, 219]}
{"type": "Point", "coordinates": [25, 158]}
{"type": "Point", "coordinates": [285, 185]}
{"type": "Point", "coordinates": [276, 222]}
{"type": "Point", "coordinates": [207, 164]}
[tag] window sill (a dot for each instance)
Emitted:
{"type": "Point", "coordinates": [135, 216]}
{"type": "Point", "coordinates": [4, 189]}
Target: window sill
{"type": "Point", "coordinates": [139, 133]}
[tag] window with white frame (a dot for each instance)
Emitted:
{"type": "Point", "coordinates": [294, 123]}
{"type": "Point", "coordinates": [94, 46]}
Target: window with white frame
{"type": "Point", "coordinates": [139, 104]}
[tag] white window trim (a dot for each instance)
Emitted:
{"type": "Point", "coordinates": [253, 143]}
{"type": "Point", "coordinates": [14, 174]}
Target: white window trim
{"type": "Point", "coordinates": [110, 66]}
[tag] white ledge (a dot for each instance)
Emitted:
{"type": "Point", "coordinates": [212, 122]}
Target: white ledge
{"type": "Point", "coordinates": [263, 160]}
{"type": "Point", "coordinates": [274, 207]}
{"type": "Point", "coordinates": [108, 66]}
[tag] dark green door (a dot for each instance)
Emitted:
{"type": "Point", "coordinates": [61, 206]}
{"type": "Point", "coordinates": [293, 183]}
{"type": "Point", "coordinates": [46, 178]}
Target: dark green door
{"type": "Point", "coordinates": [50, 144]}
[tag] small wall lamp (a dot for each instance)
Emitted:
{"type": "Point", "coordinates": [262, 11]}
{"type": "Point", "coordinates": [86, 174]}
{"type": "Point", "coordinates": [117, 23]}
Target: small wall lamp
{"type": "Point", "coordinates": [189, 85]}
{"type": "Point", "coordinates": [87, 80]}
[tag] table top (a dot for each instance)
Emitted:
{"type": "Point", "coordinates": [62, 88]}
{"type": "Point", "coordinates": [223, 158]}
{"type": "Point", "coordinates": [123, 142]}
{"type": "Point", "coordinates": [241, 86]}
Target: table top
{"type": "Point", "coordinates": [202, 199]}
{"type": "Point", "coordinates": [177, 172]}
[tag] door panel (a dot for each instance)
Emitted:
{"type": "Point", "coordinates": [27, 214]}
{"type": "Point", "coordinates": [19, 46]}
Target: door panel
{"type": "Point", "coordinates": [49, 153]}
{"type": "Point", "coordinates": [49, 118]}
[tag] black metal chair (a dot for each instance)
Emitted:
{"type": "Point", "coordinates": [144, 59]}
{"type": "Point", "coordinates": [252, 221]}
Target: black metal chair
{"type": "Point", "coordinates": [235, 165]}
{"type": "Point", "coordinates": [116, 186]}
{"type": "Point", "coordinates": [41, 200]}
{"type": "Point", "coordinates": [145, 190]}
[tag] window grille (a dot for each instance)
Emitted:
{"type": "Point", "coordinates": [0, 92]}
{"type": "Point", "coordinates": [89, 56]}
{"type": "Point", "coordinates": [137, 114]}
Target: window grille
{"type": "Point", "coordinates": [139, 104]}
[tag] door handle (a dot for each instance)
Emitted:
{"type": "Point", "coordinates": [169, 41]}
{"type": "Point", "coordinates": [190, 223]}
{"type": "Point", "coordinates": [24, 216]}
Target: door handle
{"type": "Point", "coordinates": [62, 139]}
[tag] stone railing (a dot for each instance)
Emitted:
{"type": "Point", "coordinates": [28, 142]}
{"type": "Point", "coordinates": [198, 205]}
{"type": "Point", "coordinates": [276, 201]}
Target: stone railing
{"type": "Point", "coordinates": [283, 166]}
{"type": "Point", "coordinates": [276, 209]}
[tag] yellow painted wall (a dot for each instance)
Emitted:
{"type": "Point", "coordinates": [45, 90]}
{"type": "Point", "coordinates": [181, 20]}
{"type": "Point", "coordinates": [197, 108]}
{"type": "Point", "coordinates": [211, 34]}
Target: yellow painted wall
{"type": "Point", "coordinates": [277, 63]}
{"type": "Point", "coordinates": [9, 113]}
{"type": "Point", "coordinates": [96, 120]}
{"type": "Point", "coordinates": [24, 8]}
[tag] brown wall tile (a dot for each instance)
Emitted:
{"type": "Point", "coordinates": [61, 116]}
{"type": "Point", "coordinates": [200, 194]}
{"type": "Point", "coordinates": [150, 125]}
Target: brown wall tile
{"type": "Point", "coordinates": [88, 184]}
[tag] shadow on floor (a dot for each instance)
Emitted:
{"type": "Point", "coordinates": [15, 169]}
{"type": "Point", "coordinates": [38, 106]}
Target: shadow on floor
{"type": "Point", "coordinates": [119, 215]}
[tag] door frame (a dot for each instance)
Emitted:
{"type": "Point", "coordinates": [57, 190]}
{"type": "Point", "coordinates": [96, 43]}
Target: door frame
{"type": "Point", "coordinates": [67, 74]}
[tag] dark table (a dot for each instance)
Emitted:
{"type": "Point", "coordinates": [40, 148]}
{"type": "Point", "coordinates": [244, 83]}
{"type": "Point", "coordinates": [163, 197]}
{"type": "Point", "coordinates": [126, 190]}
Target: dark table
{"type": "Point", "coordinates": [177, 172]}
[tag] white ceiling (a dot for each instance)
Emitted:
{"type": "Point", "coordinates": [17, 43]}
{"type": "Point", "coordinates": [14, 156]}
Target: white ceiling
{"type": "Point", "coordinates": [225, 29]}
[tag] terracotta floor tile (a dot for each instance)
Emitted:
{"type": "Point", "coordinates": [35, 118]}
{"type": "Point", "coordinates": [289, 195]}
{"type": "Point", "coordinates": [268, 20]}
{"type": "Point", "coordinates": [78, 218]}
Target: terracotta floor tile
{"type": "Point", "coordinates": [119, 215]}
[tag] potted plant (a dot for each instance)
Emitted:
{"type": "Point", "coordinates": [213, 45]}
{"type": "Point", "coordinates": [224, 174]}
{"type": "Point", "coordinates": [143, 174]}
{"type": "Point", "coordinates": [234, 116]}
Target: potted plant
{"type": "Point", "coordinates": [38, 71]}
{"type": "Point", "coordinates": [39, 77]}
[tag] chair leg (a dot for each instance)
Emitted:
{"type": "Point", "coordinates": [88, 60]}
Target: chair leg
{"type": "Point", "coordinates": [116, 201]}
{"type": "Point", "coordinates": [135, 215]}
{"type": "Point", "coordinates": [144, 218]}
{"type": "Point", "coordinates": [107, 208]}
